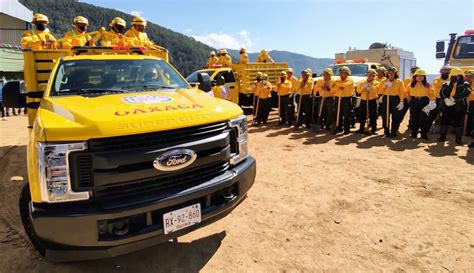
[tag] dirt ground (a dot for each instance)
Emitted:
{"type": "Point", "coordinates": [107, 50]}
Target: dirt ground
{"type": "Point", "coordinates": [351, 203]}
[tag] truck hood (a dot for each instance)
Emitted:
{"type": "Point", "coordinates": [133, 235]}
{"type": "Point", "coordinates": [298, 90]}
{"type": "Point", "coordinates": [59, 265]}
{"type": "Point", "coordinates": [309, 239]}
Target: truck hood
{"type": "Point", "coordinates": [77, 118]}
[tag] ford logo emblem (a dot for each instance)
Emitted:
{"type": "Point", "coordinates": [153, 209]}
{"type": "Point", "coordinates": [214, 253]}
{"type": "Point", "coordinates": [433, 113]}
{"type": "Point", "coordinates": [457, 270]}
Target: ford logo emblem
{"type": "Point", "coordinates": [175, 160]}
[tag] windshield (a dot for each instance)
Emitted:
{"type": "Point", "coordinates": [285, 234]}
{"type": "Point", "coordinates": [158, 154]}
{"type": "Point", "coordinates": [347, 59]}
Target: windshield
{"type": "Point", "coordinates": [114, 76]}
{"type": "Point", "coordinates": [356, 69]}
{"type": "Point", "coordinates": [194, 76]}
{"type": "Point", "coordinates": [464, 47]}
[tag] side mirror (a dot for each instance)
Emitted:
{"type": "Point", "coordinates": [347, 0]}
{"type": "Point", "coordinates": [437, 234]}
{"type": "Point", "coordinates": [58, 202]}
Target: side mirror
{"type": "Point", "coordinates": [220, 81]}
{"type": "Point", "coordinates": [439, 47]}
{"type": "Point", "coordinates": [204, 82]}
{"type": "Point", "coordinates": [440, 55]}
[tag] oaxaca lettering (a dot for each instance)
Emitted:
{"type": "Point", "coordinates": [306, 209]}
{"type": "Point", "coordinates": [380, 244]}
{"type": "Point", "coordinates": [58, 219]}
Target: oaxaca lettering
{"type": "Point", "coordinates": [146, 110]}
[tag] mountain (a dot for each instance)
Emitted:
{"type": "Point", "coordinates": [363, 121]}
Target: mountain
{"type": "Point", "coordinates": [298, 62]}
{"type": "Point", "coordinates": [186, 54]}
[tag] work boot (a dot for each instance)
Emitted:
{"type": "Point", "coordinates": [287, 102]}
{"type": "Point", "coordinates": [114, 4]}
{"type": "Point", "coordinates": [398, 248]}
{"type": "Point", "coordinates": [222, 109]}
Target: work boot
{"type": "Point", "coordinates": [443, 132]}
{"type": "Point", "coordinates": [459, 136]}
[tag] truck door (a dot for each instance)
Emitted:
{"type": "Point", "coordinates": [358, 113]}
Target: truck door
{"type": "Point", "coordinates": [228, 90]}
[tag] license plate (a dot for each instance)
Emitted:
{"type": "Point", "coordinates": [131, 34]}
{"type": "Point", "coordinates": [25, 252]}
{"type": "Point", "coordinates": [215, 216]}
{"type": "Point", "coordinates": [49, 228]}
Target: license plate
{"type": "Point", "coordinates": [181, 218]}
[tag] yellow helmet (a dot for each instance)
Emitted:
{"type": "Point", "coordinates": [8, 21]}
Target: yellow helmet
{"type": "Point", "coordinates": [420, 72]}
{"type": "Point", "coordinates": [38, 17]}
{"type": "Point", "coordinates": [263, 51]}
{"type": "Point", "coordinates": [224, 51]}
{"type": "Point", "coordinates": [259, 74]}
{"type": "Point", "coordinates": [329, 71]}
{"type": "Point", "coordinates": [118, 21]}
{"type": "Point", "coordinates": [139, 21]}
{"type": "Point", "coordinates": [213, 53]}
{"type": "Point", "coordinates": [242, 50]}
{"type": "Point", "coordinates": [308, 71]}
{"type": "Point", "coordinates": [283, 73]}
{"type": "Point", "coordinates": [289, 70]}
{"type": "Point", "coordinates": [456, 72]}
{"type": "Point", "coordinates": [393, 68]}
{"type": "Point", "coordinates": [81, 19]}
{"type": "Point", "coordinates": [371, 72]}
{"type": "Point", "coordinates": [265, 76]}
{"type": "Point", "coordinates": [344, 69]}
{"type": "Point", "coordinates": [381, 68]}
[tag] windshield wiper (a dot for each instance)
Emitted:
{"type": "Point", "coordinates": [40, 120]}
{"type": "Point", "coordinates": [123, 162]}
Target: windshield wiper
{"type": "Point", "coordinates": [90, 90]}
{"type": "Point", "coordinates": [148, 86]}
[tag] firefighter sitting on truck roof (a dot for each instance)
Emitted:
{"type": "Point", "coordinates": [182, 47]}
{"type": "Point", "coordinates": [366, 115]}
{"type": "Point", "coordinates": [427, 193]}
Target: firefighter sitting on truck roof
{"type": "Point", "coordinates": [114, 36]}
{"type": "Point", "coordinates": [244, 57]}
{"type": "Point", "coordinates": [264, 57]}
{"type": "Point", "coordinates": [79, 26]}
{"type": "Point", "coordinates": [212, 61]}
{"type": "Point", "coordinates": [137, 35]}
{"type": "Point", "coordinates": [224, 59]}
{"type": "Point", "coordinates": [39, 37]}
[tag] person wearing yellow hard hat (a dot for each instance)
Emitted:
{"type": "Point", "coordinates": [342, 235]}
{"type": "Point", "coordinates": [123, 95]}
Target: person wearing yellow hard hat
{"type": "Point", "coordinates": [264, 100]}
{"type": "Point", "coordinates": [420, 96]}
{"type": "Point", "coordinates": [304, 90]}
{"type": "Point", "coordinates": [79, 26]}
{"type": "Point", "coordinates": [223, 58]}
{"type": "Point", "coordinates": [453, 107]}
{"type": "Point", "coordinates": [323, 88]}
{"type": "Point", "coordinates": [438, 82]}
{"type": "Point", "coordinates": [114, 36]}
{"type": "Point", "coordinates": [263, 57]}
{"type": "Point", "coordinates": [283, 89]}
{"type": "Point", "coordinates": [244, 57]}
{"type": "Point", "coordinates": [136, 34]}
{"type": "Point", "coordinates": [344, 91]}
{"type": "Point", "coordinates": [212, 61]}
{"type": "Point", "coordinates": [291, 99]}
{"type": "Point", "coordinates": [470, 102]}
{"type": "Point", "coordinates": [39, 36]}
{"type": "Point", "coordinates": [368, 90]}
{"type": "Point", "coordinates": [392, 94]}
{"type": "Point", "coordinates": [256, 87]}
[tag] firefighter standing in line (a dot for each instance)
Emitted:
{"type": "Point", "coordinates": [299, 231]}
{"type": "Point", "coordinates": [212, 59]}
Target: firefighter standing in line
{"type": "Point", "coordinates": [453, 96]}
{"type": "Point", "coordinates": [437, 84]}
{"type": "Point", "coordinates": [136, 34]}
{"type": "Point", "coordinates": [368, 90]}
{"type": "Point", "coordinates": [291, 99]}
{"type": "Point", "coordinates": [212, 61]}
{"type": "Point", "coordinates": [39, 36]}
{"type": "Point", "coordinates": [392, 94]}
{"type": "Point", "coordinates": [79, 26]}
{"type": "Point", "coordinates": [114, 36]}
{"type": "Point", "coordinates": [304, 90]}
{"type": "Point", "coordinates": [406, 105]}
{"type": "Point", "coordinates": [344, 90]}
{"type": "Point", "coordinates": [283, 89]}
{"type": "Point", "coordinates": [265, 102]}
{"type": "Point", "coordinates": [381, 74]}
{"type": "Point", "coordinates": [263, 57]}
{"type": "Point", "coordinates": [420, 96]}
{"type": "Point", "coordinates": [326, 94]}
{"type": "Point", "coordinates": [244, 57]}
{"type": "Point", "coordinates": [470, 100]}
{"type": "Point", "coordinates": [256, 92]}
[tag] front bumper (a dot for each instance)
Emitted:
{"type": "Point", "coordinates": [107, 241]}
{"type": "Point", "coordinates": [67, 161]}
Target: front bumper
{"type": "Point", "coordinates": [75, 234]}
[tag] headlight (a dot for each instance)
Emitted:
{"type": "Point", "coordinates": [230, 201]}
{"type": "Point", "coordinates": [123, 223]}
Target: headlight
{"type": "Point", "coordinates": [240, 126]}
{"type": "Point", "coordinates": [54, 172]}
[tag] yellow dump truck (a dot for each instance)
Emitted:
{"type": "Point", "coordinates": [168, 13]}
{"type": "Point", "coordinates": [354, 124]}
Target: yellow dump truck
{"type": "Point", "coordinates": [460, 51]}
{"type": "Point", "coordinates": [235, 83]}
{"type": "Point", "coordinates": [123, 153]}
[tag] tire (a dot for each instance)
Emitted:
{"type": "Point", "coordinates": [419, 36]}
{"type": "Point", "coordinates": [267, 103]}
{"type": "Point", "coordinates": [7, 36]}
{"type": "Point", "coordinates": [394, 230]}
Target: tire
{"type": "Point", "coordinates": [24, 205]}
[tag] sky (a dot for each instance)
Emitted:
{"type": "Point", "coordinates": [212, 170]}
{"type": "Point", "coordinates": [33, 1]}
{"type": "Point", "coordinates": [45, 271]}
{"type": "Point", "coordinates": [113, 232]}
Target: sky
{"type": "Point", "coordinates": [314, 28]}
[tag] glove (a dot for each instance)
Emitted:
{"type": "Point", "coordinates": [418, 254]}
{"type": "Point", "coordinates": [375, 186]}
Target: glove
{"type": "Point", "coordinates": [380, 100]}
{"type": "Point", "coordinates": [357, 104]}
{"type": "Point", "coordinates": [449, 102]}
{"type": "Point", "coordinates": [426, 110]}
{"type": "Point", "coordinates": [431, 105]}
{"type": "Point", "coordinates": [400, 106]}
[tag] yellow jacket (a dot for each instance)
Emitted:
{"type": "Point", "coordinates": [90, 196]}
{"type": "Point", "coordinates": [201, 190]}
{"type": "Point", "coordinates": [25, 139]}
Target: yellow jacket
{"type": "Point", "coordinates": [75, 41]}
{"type": "Point", "coordinates": [392, 88]}
{"type": "Point", "coordinates": [212, 61]}
{"type": "Point", "coordinates": [407, 81]}
{"type": "Point", "coordinates": [244, 58]}
{"type": "Point", "coordinates": [110, 38]}
{"type": "Point", "coordinates": [368, 90]}
{"type": "Point", "coordinates": [284, 88]}
{"type": "Point", "coordinates": [257, 88]}
{"type": "Point", "coordinates": [224, 60]}
{"type": "Point", "coordinates": [264, 58]}
{"type": "Point", "coordinates": [343, 88]}
{"type": "Point", "coordinates": [318, 88]}
{"type": "Point", "coordinates": [294, 82]}
{"type": "Point", "coordinates": [304, 88]}
{"type": "Point", "coordinates": [34, 39]}
{"type": "Point", "coordinates": [137, 38]}
{"type": "Point", "coordinates": [265, 91]}
{"type": "Point", "coordinates": [471, 97]}
{"type": "Point", "coordinates": [420, 91]}
{"type": "Point", "coordinates": [437, 84]}
{"type": "Point", "coordinates": [380, 79]}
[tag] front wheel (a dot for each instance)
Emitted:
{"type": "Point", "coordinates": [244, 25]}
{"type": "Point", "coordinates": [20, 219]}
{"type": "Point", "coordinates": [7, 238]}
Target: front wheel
{"type": "Point", "coordinates": [25, 200]}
